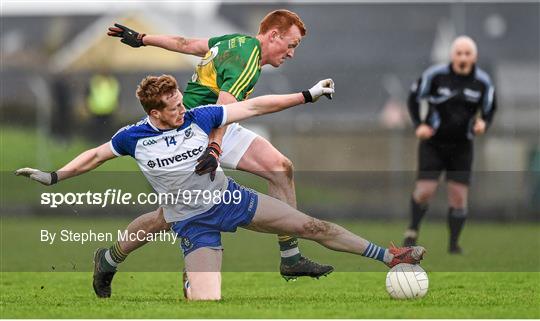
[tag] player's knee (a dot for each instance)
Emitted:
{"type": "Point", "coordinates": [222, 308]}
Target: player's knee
{"type": "Point", "coordinates": [204, 287]}
{"type": "Point", "coordinates": [288, 167]}
{"type": "Point", "coordinates": [315, 229]}
{"type": "Point", "coordinates": [282, 167]}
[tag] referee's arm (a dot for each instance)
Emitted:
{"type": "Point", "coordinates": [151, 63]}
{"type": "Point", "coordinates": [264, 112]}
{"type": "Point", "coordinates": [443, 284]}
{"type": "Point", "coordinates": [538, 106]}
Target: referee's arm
{"type": "Point", "coordinates": [489, 107]}
{"type": "Point", "coordinates": [414, 105]}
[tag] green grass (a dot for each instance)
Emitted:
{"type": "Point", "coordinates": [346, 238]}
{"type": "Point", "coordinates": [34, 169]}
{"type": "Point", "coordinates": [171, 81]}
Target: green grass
{"type": "Point", "coordinates": [265, 295]}
{"type": "Point", "coordinates": [497, 277]}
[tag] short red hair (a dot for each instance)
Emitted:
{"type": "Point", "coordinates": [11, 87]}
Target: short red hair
{"type": "Point", "coordinates": [283, 20]}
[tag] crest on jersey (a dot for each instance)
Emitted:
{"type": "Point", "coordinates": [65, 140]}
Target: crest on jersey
{"type": "Point", "coordinates": [445, 91]}
{"type": "Point", "coordinates": [186, 243]}
{"type": "Point", "coordinates": [188, 133]}
{"type": "Point", "coordinates": [472, 95]}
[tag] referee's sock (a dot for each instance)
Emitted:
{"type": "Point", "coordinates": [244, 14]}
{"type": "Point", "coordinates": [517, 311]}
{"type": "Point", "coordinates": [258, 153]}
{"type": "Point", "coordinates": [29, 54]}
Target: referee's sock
{"type": "Point", "coordinates": [112, 258]}
{"type": "Point", "coordinates": [288, 249]}
{"type": "Point", "coordinates": [456, 220]}
{"type": "Point", "coordinates": [417, 213]}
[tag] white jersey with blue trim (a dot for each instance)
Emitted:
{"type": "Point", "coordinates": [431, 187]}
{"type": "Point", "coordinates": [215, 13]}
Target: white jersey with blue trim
{"type": "Point", "coordinates": [168, 159]}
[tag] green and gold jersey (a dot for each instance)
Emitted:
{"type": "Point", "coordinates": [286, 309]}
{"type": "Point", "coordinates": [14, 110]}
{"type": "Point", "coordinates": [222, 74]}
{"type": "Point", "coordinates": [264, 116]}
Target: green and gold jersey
{"type": "Point", "coordinates": [232, 64]}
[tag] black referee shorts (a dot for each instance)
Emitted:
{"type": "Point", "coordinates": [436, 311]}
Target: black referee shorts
{"type": "Point", "coordinates": [453, 157]}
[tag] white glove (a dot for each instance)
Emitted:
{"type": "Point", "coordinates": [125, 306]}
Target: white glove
{"type": "Point", "coordinates": [323, 87]}
{"type": "Point", "coordinates": [38, 176]}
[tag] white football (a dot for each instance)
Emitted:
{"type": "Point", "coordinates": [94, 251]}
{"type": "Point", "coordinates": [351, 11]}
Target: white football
{"type": "Point", "coordinates": [407, 281]}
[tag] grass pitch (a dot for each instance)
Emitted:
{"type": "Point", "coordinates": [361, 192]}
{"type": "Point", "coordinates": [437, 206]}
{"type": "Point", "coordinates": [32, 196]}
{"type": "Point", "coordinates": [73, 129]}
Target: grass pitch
{"type": "Point", "coordinates": [265, 295]}
{"type": "Point", "coordinates": [479, 284]}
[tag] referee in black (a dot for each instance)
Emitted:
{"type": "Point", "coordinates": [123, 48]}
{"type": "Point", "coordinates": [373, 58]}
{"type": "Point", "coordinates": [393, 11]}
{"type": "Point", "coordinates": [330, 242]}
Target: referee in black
{"type": "Point", "coordinates": [461, 104]}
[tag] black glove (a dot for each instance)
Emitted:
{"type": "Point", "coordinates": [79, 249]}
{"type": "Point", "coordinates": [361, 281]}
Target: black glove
{"type": "Point", "coordinates": [209, 161]}
{"type": "Point", "coordinates": [129, 37]}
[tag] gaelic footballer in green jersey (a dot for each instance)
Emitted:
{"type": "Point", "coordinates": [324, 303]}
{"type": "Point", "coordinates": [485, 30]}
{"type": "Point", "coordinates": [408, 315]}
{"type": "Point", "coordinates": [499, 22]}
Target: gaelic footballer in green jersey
{"type": "Point", "coordinates": [233, 64]}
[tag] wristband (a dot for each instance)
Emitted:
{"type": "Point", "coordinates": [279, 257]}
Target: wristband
{"type": "Point", "coordinates": [216, 146]}
{"type": "Point", "coordinates": [140, 38]}
{"type": "Point", "coordinates": [54, 178]}
{"type": "Point", "coordinates": [307, 96]}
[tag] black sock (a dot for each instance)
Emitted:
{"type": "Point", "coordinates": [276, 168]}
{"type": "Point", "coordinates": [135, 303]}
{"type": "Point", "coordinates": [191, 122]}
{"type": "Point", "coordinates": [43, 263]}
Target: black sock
{"type": "Point", "coordinates": [417, 213]}
{"type": "Point", "coordinates": [456, 220]}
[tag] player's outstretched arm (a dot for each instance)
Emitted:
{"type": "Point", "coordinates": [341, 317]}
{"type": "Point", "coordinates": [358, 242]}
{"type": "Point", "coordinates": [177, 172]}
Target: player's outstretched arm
{"type": "Point", "coordinates": [130, 37]}
{"type": "Point", "coordinates": [83, 163]}
{"type": "Point", "coordinates": [190, 46]}
{"type": "Point", "coordinates": [274, 103]}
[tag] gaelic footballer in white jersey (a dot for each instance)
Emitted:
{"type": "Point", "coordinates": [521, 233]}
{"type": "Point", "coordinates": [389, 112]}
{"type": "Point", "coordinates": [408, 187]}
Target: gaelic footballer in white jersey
{"type": "Point", "coordinates": [160, 152]}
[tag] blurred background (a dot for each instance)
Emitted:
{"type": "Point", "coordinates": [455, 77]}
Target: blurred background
{"type": "Point", "coordinates": [355, 156]}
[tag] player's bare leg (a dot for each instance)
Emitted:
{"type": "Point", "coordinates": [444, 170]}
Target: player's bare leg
{"type": "Point", "coordinates": [264, 160]}
{"type": "Point", "coordinates": [107, 260]}
{"type": "Point", "coordinates": [152, 222]}
{"type": "Point", "coordinates": [424, 191]}
{"type": "Point", "coordinates": [203, 269]}
{"type": "Point", "coordinates": [457, 213]}
{"type": "Point", "coordinates": [274, 216]}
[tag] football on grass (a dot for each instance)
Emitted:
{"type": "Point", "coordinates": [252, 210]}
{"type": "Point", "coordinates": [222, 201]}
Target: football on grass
{"type": "Point", "coordinates": [407, 281]}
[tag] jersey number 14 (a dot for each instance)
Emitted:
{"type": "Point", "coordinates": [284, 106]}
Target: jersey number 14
{"type": "Point", "coordinates": [170, 141]}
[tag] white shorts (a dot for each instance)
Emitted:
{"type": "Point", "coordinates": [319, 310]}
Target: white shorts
{"type": "Point", "coordinates": [235, 143]}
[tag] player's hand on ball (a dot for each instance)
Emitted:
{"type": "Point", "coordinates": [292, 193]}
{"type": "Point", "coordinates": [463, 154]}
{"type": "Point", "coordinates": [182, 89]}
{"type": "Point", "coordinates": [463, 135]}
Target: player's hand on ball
{"type": "Point", "coordinates": [38, 176]}
{"type": "Point", "coordinates": [479, 127]}
{"type": "Point", "coordinates": [129, 37]}
{"type": "Point", "coordinates": [209, 160]}
{"type": "Point", "coordinates": [424, 132]}
{"type": "Point", "coordinates": [323, 87]}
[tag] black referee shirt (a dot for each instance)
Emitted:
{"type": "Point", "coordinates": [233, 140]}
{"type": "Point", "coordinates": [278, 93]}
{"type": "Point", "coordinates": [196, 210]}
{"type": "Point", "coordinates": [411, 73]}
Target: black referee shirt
{"type": "Point", "coordinates": [454, 101]}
